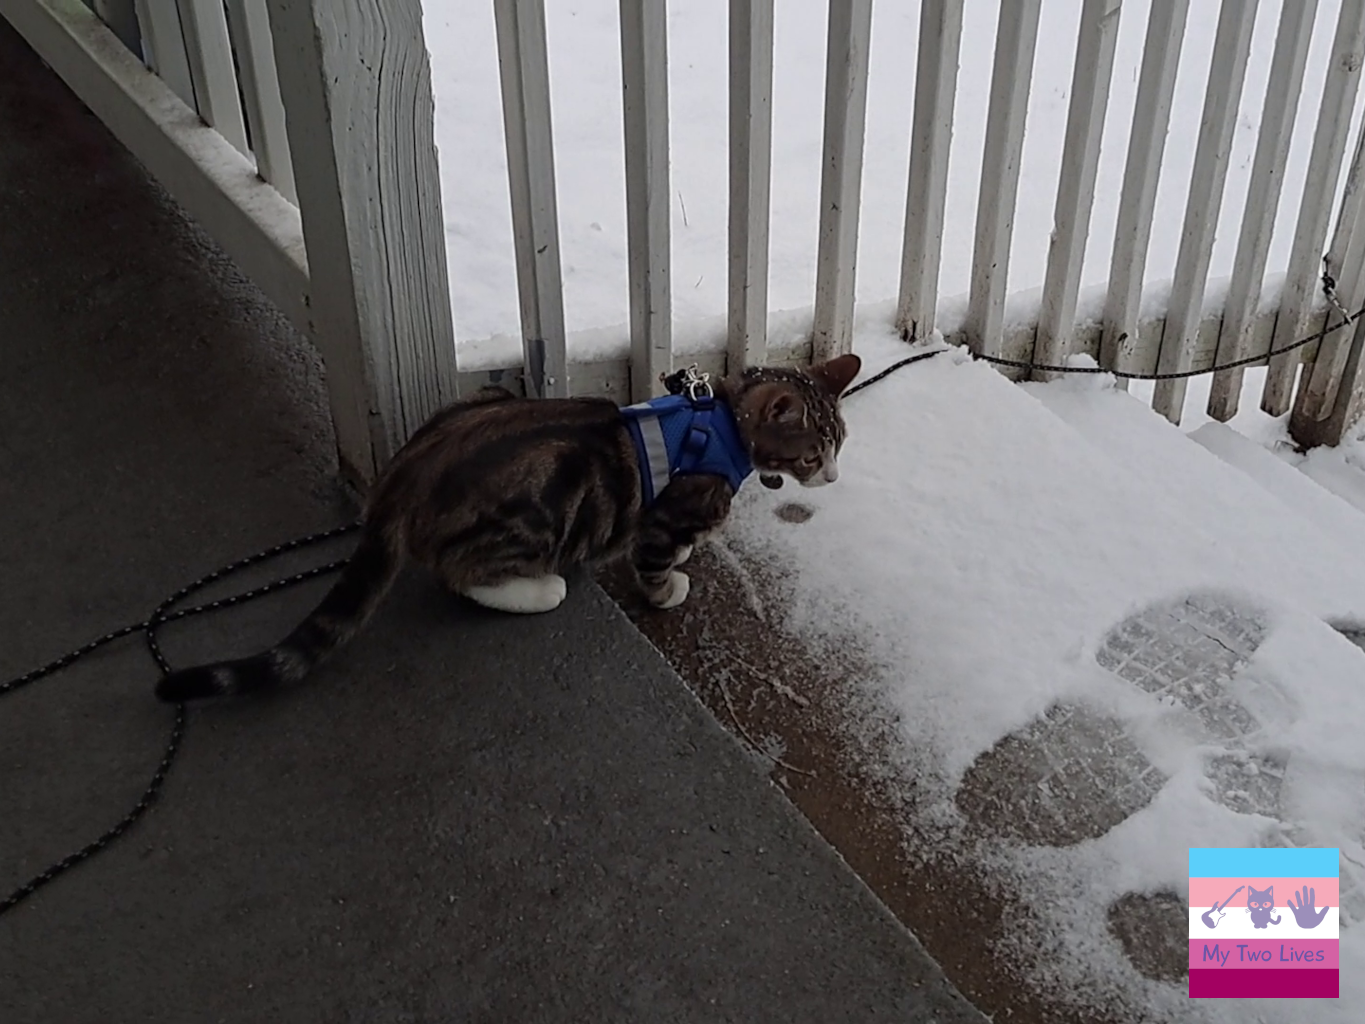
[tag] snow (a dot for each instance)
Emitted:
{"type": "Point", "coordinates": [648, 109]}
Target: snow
{"type": "Point", "coordinates": [983, 537]}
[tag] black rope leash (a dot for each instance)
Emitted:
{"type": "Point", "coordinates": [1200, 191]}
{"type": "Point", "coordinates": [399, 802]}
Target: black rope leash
{"type": "Point", "coordinates": [163, 613]}
{"type": "Point", "coordinates": [1329, 289]}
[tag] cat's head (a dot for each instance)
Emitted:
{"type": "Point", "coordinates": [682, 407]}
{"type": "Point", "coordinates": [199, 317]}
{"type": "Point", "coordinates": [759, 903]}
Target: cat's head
{"type": "Point", "coordinates": [1261, 899]}
{"type": "Point", "coordinates": [791, 420]}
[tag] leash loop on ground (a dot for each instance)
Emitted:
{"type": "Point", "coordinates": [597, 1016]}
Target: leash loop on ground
{"type": "Point", "coordinates": [160, 617]}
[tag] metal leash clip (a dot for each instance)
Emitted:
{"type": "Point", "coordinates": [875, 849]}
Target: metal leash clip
{"type": "Point", "coordinates": [689, 381]}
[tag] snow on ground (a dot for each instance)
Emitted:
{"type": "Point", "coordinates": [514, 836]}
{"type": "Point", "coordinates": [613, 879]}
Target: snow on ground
{"type": "Point", "coordinates": [984, 537]}
{"type": "Point", "coordinates": [586, 98]}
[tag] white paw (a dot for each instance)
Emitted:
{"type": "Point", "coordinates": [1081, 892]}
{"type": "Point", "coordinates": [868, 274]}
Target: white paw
{"type": "Point", "coordinates": [679, 586]}
{"type": "Point", "coordinates": [684, 553]}
{"type": "Point", "coordinates": [522, 595]}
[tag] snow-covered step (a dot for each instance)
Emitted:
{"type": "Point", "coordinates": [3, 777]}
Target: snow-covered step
{"type": "Point", "coordinates": [1301, 491]}
{"type": "Point", "coordinates": [1340, 470]}
{"type": "Point", "coordinates": [1188, 483]}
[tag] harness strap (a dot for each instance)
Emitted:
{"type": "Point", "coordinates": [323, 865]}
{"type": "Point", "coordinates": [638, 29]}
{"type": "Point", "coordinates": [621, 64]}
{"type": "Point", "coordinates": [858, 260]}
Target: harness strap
{"type": "Point", "coordinates": [707, 442]}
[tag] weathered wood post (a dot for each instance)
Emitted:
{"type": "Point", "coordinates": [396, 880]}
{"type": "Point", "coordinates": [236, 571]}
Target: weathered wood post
{"type": "Point", "coordinates": [356, 82]}
{"type": "Point", "coordinates": [644, 82]}
{"type": "Point", "coordinates": [841, 176]}
{"type": "Point", "coordinates": [1347, 402]}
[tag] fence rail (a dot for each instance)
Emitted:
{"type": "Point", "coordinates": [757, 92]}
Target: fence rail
{"type": "Point", "coordinates": [320, 136]}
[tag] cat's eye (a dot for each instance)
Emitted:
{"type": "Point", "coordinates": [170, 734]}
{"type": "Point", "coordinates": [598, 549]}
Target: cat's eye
{"type": "Point", "coordinates": [810, 460]}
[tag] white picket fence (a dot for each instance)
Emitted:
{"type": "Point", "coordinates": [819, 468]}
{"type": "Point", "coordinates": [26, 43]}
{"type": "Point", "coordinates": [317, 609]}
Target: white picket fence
{"type": "Point", "coordinates": [260, 109]}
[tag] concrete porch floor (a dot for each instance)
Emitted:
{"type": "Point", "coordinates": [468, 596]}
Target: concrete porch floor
{"type": "Point", "coordinates": [464, 817]}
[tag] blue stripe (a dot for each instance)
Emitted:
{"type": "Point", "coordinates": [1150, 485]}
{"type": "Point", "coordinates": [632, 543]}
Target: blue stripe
{"type": "Point", "coordinates": [1264, 862]}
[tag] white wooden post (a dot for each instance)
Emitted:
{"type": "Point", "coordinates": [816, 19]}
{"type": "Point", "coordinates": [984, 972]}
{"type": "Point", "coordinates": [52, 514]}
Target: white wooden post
{"type": "Point", "coordinates": [249, 26]}
{"type": "Point", "coordinates": [1011, 76]}
{"type": "Point", "coordinates": [215, 81]}
{"type": "Point", "coordinates": [524, 63]}
{"type": "Point", "coordinates": [931, 135]}
{"type": "Point", "coordinates": [644, 78]}
{"type": "Point", "coordinates": [841, 177]}
{"type": "Point", "coordinates": [1321, 381]}
{"type": "Point", "coordinates": [1263, 200]}
{"type": "Point", "coordinates": [163, 46]}
{"type": "Point", "coordinates": [1346, 254]}
{"type": "Point", "coordinates": [1076, 188]}
{"type": "Point", "coordinates": [1231, 48]}
{"type": "Point", "coordinates": [1301, 284]}
{"type": "Point", "coordinates": [357, 91]}
{"type": "Point", "coordinates": [1332, 419]}
{"type": "Point", "coordinates": [1142, 172]}
{"type": "Point", "coordinates": [751, 148]}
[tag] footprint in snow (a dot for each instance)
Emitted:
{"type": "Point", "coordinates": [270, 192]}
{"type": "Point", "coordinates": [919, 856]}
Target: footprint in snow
{"type": "Point", "coordinates": [1073, 773]}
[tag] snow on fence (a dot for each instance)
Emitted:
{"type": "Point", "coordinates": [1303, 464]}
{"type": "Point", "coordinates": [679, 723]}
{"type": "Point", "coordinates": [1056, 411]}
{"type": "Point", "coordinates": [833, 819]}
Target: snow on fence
{"type": "Point", "coordinates": [293, 127]}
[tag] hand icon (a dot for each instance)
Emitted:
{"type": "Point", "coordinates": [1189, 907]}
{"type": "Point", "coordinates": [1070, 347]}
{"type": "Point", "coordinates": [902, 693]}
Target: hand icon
{"type": "Point", "coordinates": [1304, 912]}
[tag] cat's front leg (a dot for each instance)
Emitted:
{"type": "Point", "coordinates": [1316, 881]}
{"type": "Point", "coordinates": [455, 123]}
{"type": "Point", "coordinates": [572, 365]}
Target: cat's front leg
{"type": "Point", "coordinates": [656, 554]}
{"type": "Point", "coordinates": [687, 510]}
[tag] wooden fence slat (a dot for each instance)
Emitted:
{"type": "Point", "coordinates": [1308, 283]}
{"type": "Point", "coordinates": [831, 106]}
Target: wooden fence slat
{"type": "Point", "coordinates": [1320, 380]}
{"type": "Point", "coordinates": [1334, 418]}
{"type": "Point", "coordinates": [357, 92]}
{"type": "Point", "coordinates": [1346, 253]}
{"type": "Point", "coordinates": [524, 63]}
{"type": "Point", "coordinates": [1263, 200]}
{"type": "Point", "coordinates": [644, 76]}
{"type": "Point", "coordinates": [1011, 76]}
{"type": "Point", "coordinates": [751, 145]}
{"type": "Point", "coordinates": [1119, 338]}
{"type": "Point", "coordinates": [841, 177]}
{"type": "Point", "coordinates": [163, 47]}
{"type": "Point", "coordinates": [1076, 187]}
{"type": "Point", "coordinates": [1301, 284]}
{"type": "Point", "coordinates": [1227, 73]}
{"type": "Point", "coordinates": [940, 42]}
{"type": "Point", "coordinates": [215, 80]}
{"type": "Point", "coordinates": [249, 27]}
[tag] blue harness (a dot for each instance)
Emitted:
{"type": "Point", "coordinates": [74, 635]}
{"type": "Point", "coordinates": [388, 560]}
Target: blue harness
{"type": "Point", "coordinates": [682, 433]}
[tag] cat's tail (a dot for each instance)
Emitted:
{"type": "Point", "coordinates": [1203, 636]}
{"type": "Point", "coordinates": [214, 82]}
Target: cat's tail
{"type": "Point", "coordinates": [363, 584]}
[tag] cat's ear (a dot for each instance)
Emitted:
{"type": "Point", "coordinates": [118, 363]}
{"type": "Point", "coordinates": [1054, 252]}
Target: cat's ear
{"type": "Point", "coordinates": [786, 407]}
{"type": "Point", "coordinates": [837, 374]}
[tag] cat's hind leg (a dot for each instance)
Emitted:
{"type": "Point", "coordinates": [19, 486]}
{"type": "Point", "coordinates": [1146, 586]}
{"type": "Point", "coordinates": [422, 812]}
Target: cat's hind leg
{"type": "Point", "coordinates": [519, 586]}
{"type": "Point", "coordinates": [525, 595]}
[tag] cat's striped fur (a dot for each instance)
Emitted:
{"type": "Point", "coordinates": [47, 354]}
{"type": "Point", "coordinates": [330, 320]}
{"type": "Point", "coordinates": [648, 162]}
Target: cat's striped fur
{"type": "Point", "coordinates": [499, 495]}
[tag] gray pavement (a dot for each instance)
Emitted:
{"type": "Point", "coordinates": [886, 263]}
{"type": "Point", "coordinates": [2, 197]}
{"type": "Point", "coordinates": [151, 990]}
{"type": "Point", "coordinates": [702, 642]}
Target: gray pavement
{"type": "Point", "coordinates": [465, 817]}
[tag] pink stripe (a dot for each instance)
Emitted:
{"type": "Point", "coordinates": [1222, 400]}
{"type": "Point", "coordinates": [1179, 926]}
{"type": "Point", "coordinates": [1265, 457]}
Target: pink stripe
{"type": "Point", "coordinates": [1205, 892]}
{"type": "Point", "coordinates": [1265, 954]}
{"type": "Point", "coordinates": [1254, 984]}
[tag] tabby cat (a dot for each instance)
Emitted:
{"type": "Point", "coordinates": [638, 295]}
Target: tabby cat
{"type": "Point", "coordinates": [499, 495]}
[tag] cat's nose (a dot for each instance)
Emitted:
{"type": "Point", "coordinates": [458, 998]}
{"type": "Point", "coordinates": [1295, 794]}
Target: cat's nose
{"type": "Point", "coordinates": [831, 471]}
